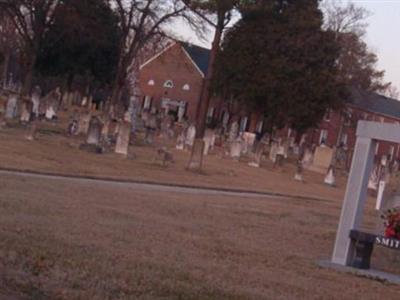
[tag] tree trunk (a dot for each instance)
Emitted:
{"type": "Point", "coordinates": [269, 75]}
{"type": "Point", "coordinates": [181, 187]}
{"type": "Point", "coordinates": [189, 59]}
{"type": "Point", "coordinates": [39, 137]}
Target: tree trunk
{"type": "Point", "coordinates": [116, 94]}
{"type": "Point", "coordinates": [119, 81]}
{"type": "Point", "coordinates": [70, 80]}
{"type": "Point", "coordinates": [29, 69]}
{"type": "Point", "coordinates": [196, 157]}
{"type": "Point", "coordinates": [135, 96]}
{"type": "Point", "coordinates": [5, 68]}
{"type": "Point", "coordinates": [205, 92]}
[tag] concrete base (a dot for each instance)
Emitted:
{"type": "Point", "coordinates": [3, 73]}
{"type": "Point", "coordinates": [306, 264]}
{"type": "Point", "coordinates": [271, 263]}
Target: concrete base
{"type": "Point", "coordinates": [370, 273]}
{"type": "Point", "coordinates": [196, 157]}
{"type": "Point", "coordinates": [316, 169]}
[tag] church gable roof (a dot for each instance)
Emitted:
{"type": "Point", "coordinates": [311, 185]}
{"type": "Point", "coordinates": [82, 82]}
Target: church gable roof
{"type": "Point", "coordinates": [375, 103]}
{"type": "Point", "coordinates": [199, 55]}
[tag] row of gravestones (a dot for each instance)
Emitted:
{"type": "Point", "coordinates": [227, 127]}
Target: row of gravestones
{"type": "Point", "coordinates": [320, 160]}
{"type": "Point", "coordinates": [34, 107]}
{"type": "Point", "coordinates": [244, 143]}
{"type": "Point", "coordinates": [99, 131]}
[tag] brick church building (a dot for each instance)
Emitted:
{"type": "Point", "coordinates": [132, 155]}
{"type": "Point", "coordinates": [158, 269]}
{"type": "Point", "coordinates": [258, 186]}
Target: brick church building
{"type": "Point", "coordinates": [172, 80]}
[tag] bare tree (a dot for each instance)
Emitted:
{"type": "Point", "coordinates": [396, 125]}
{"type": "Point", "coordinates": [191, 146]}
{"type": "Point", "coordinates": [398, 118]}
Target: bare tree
{"type": "Point", "coordinates": [392, 92]}
{"type": "Point", "coordinates": [357, 63]}
{"type": "Point", "coordinates": [32, 19]}
{"type": "Point", "coordinates": [140, 22]}
{"type": "Point", "coordinates": [217, 14]}
{"type": "Point", "coordinates": [9, 42]}
{"type": "Point", "coordinates": [345, 19]}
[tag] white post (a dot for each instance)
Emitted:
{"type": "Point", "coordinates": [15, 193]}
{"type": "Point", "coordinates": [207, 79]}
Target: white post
{"type": "Point", "coordinates": [355, 197]}
{"type": "Point", "coordinates": [379, 198]}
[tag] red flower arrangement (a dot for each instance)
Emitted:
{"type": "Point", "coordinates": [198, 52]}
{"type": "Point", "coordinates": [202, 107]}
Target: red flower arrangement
{"type": "Point", "coordinates": [392, 223]}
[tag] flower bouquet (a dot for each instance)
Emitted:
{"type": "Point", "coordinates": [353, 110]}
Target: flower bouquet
{"type": "Point", "coordinates": [391, 223]}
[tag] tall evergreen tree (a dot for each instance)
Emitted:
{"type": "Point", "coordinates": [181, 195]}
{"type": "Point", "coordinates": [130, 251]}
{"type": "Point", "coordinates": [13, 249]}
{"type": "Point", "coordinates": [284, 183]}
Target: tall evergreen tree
{"type": "Point", "coordinates": [82, 41]}
{"type": "Point", "coordinates": [279, 61]}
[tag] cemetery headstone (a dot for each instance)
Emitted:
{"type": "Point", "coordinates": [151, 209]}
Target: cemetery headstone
{"type": "Point", "coordinates": [322, 159]}
{"type": "Point", "coordinates": [258, 155]}
{"type": "Point", "coordinates": [122, 144]}
{"type": "Point", "coordinates": [105, 130]}
{"type": "Point", "coordinates": [330, 177]}
{"type": "Point", "coordinates": [248, 142]}
{"type": "Point", "coordinates": [73, 127]}
{"type": "Point", "coordinates": [50, 113]}
{"type": "Point", "coordinates": [273, 151]}
{"type": "Point", "coordinates": [285, 148]}
{"type": "Point", "coordinates": [236, 148]}
{"type": "Point", "coordinates": [94, 131]}
{"type": "Point", "coordinates": [308, 157]}
{"type": "Point", "coordinates": [395, 166]}
{"type": "Point", "coordinates": [374, 178]}
{"type": "Point", "coordinates": [233, 131]}
{"type": "Point", "coordinates": [298, 176]}
{"type": "Point", "coordinates": [180, 141]}
{"type": "Point", "coordinates": [11, 106]}
{"type": "Point", "coordinates": [190, 137]}
{"type": "Point", "coordinates": [83, 124]}
{"type": "Point", "coordinates": [25, 112]}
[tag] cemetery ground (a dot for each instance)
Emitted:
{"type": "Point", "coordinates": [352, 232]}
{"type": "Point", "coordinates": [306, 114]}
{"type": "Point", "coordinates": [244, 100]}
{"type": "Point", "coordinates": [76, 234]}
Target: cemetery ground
{"type": "Point", "coordinates": [56, 153]}
{"type": "Point", "coordinates": [79, 239]}
{"type": "Point", "coordinates": [66, 238]}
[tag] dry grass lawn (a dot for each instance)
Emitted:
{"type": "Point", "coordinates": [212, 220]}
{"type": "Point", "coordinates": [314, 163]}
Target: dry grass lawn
{"type": "Point", "coordinates": [66, 239]}
{"type": "Point", "coordinates": [54, 152]}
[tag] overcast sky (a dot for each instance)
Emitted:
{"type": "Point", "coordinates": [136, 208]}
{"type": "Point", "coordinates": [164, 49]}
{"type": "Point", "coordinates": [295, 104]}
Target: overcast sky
{"type": "Point", "coordinates": [383, 35]}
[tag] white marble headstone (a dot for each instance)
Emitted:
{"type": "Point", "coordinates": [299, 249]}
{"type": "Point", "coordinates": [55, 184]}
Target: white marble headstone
{"type": "Point", "coordinates": [122, 144]}
{"type": "Point", "coordinates": [11, 108]}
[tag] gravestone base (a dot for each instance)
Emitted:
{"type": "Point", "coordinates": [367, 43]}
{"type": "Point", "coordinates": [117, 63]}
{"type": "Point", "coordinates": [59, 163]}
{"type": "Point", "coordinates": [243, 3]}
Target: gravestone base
{"type": "Point", "coordinates": [31, 135]}
{"type": "Point", "coordinates": [254, 164]}
{"type": "Point", "coordinates": [196, 157]}
{"type": "Point", "coordinates": [91, 148]}
{"type": "Point", "coordinates": [298, 177]}
{"type": "Point", "coordinates": [330, 178]}
{"type": "Point", "coordinates": [370, 273]}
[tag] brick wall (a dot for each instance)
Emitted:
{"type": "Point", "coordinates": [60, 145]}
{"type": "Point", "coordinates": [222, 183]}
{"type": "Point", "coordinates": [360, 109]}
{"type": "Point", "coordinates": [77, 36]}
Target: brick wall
{"type": "Point", "coordinates": [173, 64]}
{"type": "Point", "coordinates": [332, 126]}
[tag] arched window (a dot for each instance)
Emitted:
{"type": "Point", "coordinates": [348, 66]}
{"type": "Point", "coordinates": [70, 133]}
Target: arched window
{"type": "Point", "coordinates": [151, 82]}
{"type": "Point", "coordinates": [186, 87]}
{"type": "Point", "coordinates": [169, 84]}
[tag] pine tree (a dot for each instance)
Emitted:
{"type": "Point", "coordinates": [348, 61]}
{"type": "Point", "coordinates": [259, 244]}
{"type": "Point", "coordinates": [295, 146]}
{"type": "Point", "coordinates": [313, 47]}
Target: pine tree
{"type": "Point", "coordinates": [279, 61]}
{"type": "Point", "coordinates": [82, 41]}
